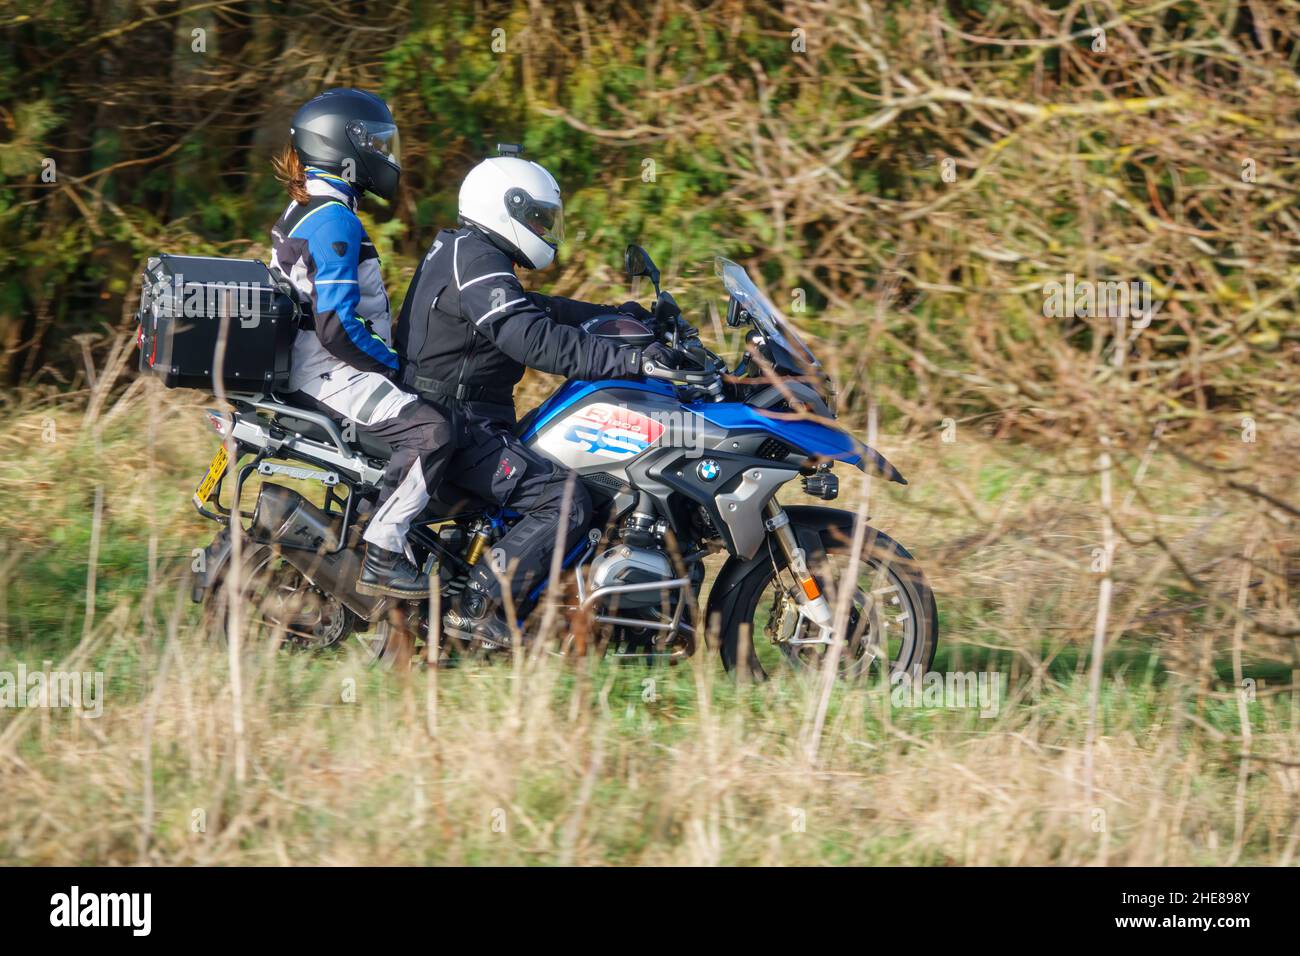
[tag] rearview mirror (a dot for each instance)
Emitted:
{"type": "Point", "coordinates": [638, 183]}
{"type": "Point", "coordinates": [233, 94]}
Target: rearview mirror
{"type": "Point", "coordinates": [638, 263]}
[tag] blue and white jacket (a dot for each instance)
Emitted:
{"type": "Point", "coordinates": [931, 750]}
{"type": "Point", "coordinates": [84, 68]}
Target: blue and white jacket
{"type": "Point", "coordinates": [323, 250]}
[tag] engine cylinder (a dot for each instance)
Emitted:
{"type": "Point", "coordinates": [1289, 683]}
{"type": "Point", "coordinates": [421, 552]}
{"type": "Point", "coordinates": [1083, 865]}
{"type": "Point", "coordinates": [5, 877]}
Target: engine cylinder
{"type": "Point", "coordinates": [624, 564]}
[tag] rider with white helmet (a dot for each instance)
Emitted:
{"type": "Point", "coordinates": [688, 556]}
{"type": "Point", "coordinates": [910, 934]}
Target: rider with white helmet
{"type": "Point", "coordinates": [466, 333]}
{"type": "Point", "coordinates": [518, 202]}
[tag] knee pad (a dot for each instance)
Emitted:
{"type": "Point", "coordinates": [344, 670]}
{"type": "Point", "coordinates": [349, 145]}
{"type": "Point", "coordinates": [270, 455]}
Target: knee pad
{"type": "Point", "coordinates": [438, 435]}
{"type": "Point", "coordinates": [579, 507]}
{"type": "Point", "coordinates": [430, 443]}
{"type": "Point", "coordinates": [434, 427]}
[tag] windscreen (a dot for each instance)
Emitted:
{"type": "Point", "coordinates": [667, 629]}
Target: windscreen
{"type": "Point", "coordinates": [766, 316]}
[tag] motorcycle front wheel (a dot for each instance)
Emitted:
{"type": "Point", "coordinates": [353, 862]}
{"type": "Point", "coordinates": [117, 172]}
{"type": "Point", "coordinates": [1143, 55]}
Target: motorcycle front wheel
{"type": "Point", "coordinates": [888, 614]}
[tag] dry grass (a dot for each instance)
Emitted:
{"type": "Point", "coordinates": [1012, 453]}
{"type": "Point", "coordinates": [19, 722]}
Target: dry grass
{"type": "Point", "coordinates": [572, 765]}
{"type": "Point", "coordinates": [1112, 527]}
{"type": "Point", "coordinates": [585, 762]}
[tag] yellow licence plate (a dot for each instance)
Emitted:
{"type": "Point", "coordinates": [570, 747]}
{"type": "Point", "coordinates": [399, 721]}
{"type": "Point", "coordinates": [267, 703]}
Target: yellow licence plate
{"type": "Point", "coordinates": [215, 471]}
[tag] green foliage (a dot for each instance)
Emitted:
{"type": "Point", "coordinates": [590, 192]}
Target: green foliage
{"type": "Point", "coordinates": [697, 131]}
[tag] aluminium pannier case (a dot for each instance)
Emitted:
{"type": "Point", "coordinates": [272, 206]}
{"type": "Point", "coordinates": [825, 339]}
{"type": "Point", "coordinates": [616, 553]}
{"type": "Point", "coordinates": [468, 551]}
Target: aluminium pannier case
{"type": "Point", "coordinates": [189, 303]}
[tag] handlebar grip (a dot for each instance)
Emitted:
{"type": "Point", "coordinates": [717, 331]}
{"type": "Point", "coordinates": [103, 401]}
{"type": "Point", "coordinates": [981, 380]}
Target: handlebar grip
{"type": "Point", "coordinates": [678, 376]}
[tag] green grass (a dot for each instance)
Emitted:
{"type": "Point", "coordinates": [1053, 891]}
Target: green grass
{"type": "Point", "coordinates": [594, 761]}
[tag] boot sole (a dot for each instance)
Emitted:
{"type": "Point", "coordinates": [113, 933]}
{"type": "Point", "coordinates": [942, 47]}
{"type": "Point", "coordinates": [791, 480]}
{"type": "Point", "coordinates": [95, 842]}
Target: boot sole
{"type": "Point", "coordinates": [481, 642]}
{"type": "Point", "coordinates": [379, 590]}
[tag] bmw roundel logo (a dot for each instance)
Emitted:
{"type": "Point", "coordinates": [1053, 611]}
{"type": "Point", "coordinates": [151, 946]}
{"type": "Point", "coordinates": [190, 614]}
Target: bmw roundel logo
{"type": "Point", "coordinates": [707, 469]}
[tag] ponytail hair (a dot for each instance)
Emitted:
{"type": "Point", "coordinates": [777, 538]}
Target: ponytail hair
{"type": "Point", "coordinates": [291, 173]}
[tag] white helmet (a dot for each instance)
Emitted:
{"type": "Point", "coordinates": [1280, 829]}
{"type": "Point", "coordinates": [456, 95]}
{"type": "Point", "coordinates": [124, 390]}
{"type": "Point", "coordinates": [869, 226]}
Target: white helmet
{"type": "Point", "coordinates": [519, 202]}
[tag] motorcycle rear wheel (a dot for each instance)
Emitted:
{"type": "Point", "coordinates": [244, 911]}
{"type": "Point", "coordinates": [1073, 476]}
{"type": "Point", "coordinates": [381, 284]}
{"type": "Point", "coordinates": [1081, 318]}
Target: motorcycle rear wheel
{"type": "Point", "coordinates": [276, 602]}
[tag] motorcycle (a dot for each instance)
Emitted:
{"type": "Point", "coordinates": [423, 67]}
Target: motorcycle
{"type": "Point", "coordinates": [680, 465]}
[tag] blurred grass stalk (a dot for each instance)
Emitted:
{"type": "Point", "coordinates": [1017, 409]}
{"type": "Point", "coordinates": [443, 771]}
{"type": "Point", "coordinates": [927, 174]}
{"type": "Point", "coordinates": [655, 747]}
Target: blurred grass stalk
{"type": "Point", "coordinates": [581, 760]}
{"type": "Point", "coordinates": [912, 188]}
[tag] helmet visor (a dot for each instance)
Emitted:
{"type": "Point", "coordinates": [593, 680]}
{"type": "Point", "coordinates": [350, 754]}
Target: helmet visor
{"type": "Point", "coordinates": [543, 219]}
{"type": "Point", "coordinates": [381, 139]}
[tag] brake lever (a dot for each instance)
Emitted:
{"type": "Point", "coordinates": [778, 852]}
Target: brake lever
{"type": "Point", "coordinates": [709, 382]}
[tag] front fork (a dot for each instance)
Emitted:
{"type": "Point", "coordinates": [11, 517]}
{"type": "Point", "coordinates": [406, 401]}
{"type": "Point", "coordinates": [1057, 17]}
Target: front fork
{"type": "Point", "coordinates": [812, 602]}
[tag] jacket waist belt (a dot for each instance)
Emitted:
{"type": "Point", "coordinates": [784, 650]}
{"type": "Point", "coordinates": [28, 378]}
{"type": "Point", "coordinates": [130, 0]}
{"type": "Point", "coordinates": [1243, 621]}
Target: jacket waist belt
{"type": "Point", "coordinates": [462, 393]}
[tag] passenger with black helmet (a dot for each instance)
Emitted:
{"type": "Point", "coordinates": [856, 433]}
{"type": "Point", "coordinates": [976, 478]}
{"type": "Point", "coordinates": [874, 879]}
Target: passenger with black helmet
{"type": "Point", "coordinates": [345, 144]}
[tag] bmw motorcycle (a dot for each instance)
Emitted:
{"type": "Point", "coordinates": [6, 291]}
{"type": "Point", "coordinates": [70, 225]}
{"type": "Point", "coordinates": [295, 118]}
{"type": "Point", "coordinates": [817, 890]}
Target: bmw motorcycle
{"type": "Point", "coordinates": [681, 465]}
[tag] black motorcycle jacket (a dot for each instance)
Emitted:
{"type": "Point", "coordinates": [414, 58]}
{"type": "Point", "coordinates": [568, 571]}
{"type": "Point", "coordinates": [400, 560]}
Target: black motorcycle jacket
{"type": "Point", "coordinates": [468, 329]}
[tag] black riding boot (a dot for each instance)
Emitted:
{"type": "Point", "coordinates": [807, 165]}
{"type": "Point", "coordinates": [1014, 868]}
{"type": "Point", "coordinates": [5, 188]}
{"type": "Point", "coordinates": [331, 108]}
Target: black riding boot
{"type": "Point", "coordinates": [477, 616]}
{"type": "Point", "coordinates": [390, 573]}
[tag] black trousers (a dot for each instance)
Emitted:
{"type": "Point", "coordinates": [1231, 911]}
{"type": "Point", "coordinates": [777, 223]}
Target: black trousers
{"type": "Point", "coordinates": [491, 463]}
{"type": "Point", "coordinates": [420, 436]}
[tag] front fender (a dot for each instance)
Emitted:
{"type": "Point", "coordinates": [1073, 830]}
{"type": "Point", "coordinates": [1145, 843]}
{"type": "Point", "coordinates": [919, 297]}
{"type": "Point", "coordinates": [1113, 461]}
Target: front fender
{"type": "Point", "coordinates": [809, 522]}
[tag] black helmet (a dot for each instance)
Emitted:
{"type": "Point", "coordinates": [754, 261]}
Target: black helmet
{"type": "Point", "coordinates": [352, 134]}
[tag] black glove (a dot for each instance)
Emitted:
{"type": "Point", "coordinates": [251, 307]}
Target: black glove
{"type": "Point", "coordinates": [637, 311]}
{"type": "Point", "coordinates": [661, 355]}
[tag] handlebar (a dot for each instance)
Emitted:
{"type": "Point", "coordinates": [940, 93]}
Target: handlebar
{"type": "Point", "coordinates": [707, 381]}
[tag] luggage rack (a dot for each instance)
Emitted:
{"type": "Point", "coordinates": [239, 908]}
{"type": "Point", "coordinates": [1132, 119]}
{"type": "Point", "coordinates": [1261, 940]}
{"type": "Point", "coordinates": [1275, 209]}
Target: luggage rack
{"type": "Point", "coordinates": [270, 439]}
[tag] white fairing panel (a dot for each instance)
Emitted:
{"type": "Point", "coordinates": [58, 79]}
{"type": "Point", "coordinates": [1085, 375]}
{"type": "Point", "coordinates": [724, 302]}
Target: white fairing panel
{"type": "Point", "coordinates": [604, 435]}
